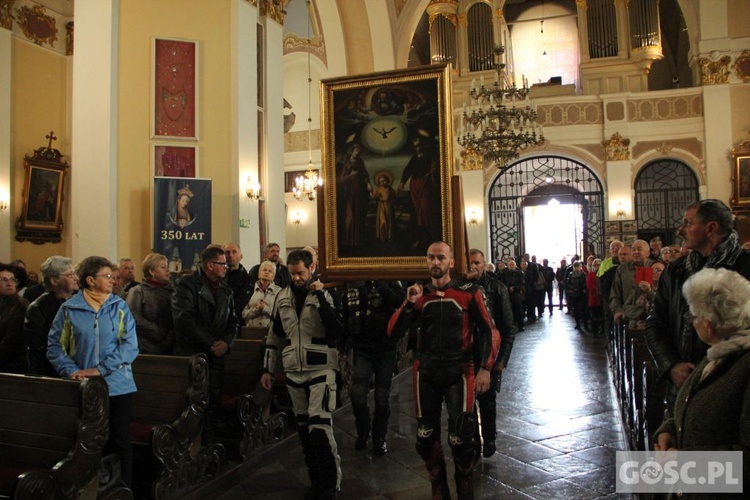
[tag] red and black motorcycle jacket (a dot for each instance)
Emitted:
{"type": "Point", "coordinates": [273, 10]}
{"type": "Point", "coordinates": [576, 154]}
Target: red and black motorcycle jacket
{"type": "Point", "coordinates": [450, 320]}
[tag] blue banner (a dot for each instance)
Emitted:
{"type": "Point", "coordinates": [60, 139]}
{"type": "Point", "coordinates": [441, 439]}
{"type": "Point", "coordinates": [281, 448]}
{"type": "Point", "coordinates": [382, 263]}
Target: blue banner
{"type": "Point", "coordinates": [182, 220]}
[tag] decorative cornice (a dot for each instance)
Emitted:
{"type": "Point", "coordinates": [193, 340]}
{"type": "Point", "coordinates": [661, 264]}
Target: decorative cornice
{"type": "Point", "coordinates": [36, 25]}
{"type": "Point", "coordinates": [6, 14]}
{"type": "Point", "coordinates": [741, 66]}
{"type": "Point", "coordinates": [471, 159]}
{"type": "Point", "coordinates": [453, 18]}
{"type": "Point", "coordinates": [617, 148]}
{"type": "Point", "coordinates": [714, 72]}
{"type": "Point", "coordinates": [582, 4]}
{"type": "Point", "coordinates": [273, 9]}
{"type": "Point", "coordinates": [665, 148]}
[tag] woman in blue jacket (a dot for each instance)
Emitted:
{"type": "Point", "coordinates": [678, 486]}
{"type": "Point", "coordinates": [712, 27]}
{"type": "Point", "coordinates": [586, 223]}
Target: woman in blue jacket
{"type": "Point", "coordinates": [94, 335]}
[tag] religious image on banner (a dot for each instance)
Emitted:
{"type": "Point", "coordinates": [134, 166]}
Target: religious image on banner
{"type": "Point", "coordinates": [182, 220]}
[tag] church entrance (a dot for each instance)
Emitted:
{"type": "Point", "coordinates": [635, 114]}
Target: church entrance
{"type": "Point", "coordinates": [566, 188]}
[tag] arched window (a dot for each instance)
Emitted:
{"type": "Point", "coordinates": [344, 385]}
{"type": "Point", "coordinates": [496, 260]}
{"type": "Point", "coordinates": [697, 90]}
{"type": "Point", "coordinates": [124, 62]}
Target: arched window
{"type": "Point", "coordinates": [479, 32]}
{"type": "Point", "coordinates": [663, 189]}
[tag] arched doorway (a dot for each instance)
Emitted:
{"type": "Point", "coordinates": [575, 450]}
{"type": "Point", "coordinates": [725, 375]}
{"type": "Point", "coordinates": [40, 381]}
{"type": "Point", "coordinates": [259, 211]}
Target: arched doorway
{"type": "Point", "coordinates": [534, 181]}
{"type": "Point", "coordinates": [663, 188]}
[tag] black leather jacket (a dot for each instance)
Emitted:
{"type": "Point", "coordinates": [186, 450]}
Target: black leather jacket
{"type": "Point", "coordinates": [669, 331]}
{"type": "Point", "coordinates": [242, 287]}
{"type": "Point", "coordinates": [39, 317]}
{"type": "Point", "coordinates": [200, 318]}
{"type": "Point", "coordinates": [498, 301]}
{"type": "Point", "coordinates": [367, 309]}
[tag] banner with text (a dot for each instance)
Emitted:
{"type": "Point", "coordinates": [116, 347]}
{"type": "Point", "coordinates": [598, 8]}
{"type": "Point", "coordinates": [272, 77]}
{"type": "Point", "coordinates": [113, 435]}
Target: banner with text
{"type": "Point", "coordinates": [182, 220]}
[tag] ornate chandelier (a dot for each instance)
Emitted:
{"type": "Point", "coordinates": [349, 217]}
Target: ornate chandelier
{"type": "Point", "coordinates": [307, 185]}
{"type": "Point", "coordinates": [501, 121]}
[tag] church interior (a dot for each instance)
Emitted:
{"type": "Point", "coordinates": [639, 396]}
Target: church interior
{"type": "Point", "coordinates": [626, 110]}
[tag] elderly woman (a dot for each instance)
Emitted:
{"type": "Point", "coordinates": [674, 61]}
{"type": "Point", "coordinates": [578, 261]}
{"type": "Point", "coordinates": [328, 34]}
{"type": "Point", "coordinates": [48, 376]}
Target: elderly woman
{"type": "Point", "coordinates": [257, 312]}
{"type": "Point", "coordinates": [12, 312]}
{"type": "Point", "coordinates": [151, 305]}
{"type": "Point", "coordinates": [93, 335]}
{"type": "Point", "coordinates": [61, 282]}
{"type": "Point", "coordinates": [712, 411]}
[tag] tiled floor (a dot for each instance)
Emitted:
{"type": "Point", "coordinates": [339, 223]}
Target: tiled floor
{"type": "Point", "coordinates": [558, 428]}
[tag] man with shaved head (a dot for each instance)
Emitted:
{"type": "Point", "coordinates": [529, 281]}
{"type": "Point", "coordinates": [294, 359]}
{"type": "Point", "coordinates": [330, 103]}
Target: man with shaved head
{"type": "Point", "coordinates": [238, 279]}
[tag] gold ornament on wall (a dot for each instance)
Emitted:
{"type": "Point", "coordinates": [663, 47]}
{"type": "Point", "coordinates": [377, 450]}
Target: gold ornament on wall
{"type": "Point", "coordinates": [617, 148]}
{"type": "Point", "coordinates": [741, 66]}
{"type": "Point", "coordinates": [36, 25]}
{"type": "Point", "coordinates": [471, 159]}
{"type": "Point", "coordinates": [6, 14]}
{"type": "Point", "coordinates": [714, 72]}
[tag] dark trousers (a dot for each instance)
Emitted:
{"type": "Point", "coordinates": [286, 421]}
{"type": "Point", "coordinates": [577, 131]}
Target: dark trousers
{"type": "Point", "coordinates": [119, 441]}
{"type": "Point", "coordinates": [561, 293]}
{"type": "Point", "coordinates": [580, 309]}
{"type": "Point", "coordinates": [487, 404]}
{"type": "Point", "coordinates": [215, 386]}
{"type": "Point", "coordinates": [549, 300]}
{"type": "Point", "coordinates": [539, 299]}
{"type": "Point", "coordinates": [517, 305]}
{"type": "Point", "coordinates": [381, 364]}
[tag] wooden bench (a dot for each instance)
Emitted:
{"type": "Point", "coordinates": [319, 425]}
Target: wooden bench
{"type": "Point", "coordinates": [246, 402]}
{"type": "Point", "coordinates": [253, 333]}
{"type": "Point", "coordinates": [52, 432]}
{"type": "Point", "coordinates": [167, 421]}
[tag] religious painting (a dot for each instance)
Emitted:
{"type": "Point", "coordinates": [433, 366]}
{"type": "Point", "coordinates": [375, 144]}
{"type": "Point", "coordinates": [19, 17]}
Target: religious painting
{"type": "Point", "coordinates": [387, 168]}
{"type": "Point", "coordinates": [741, 178]}
{"type": "Point", "coordinates": [44, 184]}
{"type": "Point", "coordinates": [174, 88]}
{"type": "Point", "coordinates": [611, 226]}
{"type": "Point", "coordinates": [181, 220]}
{"type": "Point", "coordinates": [174, 161]}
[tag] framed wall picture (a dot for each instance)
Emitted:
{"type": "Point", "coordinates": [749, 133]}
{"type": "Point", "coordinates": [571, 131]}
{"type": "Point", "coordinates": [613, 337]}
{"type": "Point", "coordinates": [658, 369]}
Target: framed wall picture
{"type": "Point", "coordinates": [387, 168]}
{"type": "Point", "coordinates": [611, 227]}
{"type": "Point", "coordinates": [174, 89]}
{"type": "Point", "coordinates": [290, 179]}
{"type": "Point", "coordinates": [44, 184]}
{"type": "Point", "coordinates": [629, 238]}
{"type": "Point", "coordinates": [174, 160]}
{"type": "Point", "coordinates": [741, 176]}
{"type": "Point", "coordinates": [629, 226]}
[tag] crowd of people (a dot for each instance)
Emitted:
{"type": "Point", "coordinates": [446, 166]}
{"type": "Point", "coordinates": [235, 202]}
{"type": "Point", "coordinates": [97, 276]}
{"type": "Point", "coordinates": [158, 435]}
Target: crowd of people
{"type": "Point", "coordinates": [94, 318]}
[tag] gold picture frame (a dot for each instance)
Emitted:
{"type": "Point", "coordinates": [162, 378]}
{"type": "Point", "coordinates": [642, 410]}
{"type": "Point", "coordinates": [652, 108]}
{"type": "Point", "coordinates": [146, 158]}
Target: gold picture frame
{"type": "Point", "coordinates": [741, 176]}
{"type": "Point", "coordinates": [387, 147]}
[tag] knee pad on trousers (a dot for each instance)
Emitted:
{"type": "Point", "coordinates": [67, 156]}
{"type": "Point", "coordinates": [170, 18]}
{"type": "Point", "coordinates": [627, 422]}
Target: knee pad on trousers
{"type": "Point", "coordinates": [426, 437]}
{"type": "Point", "coordinates": [466, 425]}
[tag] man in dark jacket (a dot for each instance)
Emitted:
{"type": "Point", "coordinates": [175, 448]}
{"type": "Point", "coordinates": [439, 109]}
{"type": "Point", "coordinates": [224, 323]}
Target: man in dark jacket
{"type": "Point", "coordinates": [707, 230]}
{"type": "Point", "coordinates": [514, 280]}
{"type": "Point", "coordinates": [498, 302]}
{"type": "Point", "coordinates": [549, 279]}
{"type": "Point", "coordinates": [204, 320]}
{"type": "Point", "coordinates": [238, 279]}
{"type": "Point", "coordinates": [368, 308]}
{"type": "Point", "coordinates": [61, 282]}
{"type": "Point", "coordinates": [273, 253]}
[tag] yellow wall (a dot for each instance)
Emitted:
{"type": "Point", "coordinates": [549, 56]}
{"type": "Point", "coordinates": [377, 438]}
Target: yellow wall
{"type": "Point", "coordinates": [39, 94]}
{"type": "Point", "coordinates": [740, 96]}
{"type": "Point", "coordinates": [209, 24]}
{"type": "Point", "coordinates": [738, 19]}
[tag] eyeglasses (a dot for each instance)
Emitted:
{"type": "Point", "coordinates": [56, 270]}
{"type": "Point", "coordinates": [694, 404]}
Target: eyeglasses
{"type": "Point", "coordinates": [9, 280]}
{"type": "Point", "coordinates": [223, 264]}
{"type": "Point", "coordinates": [107, 276]}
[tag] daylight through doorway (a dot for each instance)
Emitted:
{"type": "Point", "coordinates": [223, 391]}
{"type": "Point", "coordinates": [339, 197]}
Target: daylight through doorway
{"type": "Point", "coordinates": [553, 231]}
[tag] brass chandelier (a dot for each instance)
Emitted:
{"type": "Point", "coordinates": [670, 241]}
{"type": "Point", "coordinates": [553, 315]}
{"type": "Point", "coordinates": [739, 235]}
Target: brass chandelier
{"type": "Point", "coordinates": [501, 121]}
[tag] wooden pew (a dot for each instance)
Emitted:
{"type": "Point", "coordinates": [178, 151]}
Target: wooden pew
{"type": "Point", "coordinates": [167, 420]}
{"type": "Point", "coordinates": [52, 432]}
{"type": "Point", "coordinates": [253, 333]}
{"type": "Point", "coordinates": [247, 403]}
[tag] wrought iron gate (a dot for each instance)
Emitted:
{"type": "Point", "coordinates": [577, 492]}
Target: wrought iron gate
{"type": "Point", "coordinates": [663, 189]}
{"type": "Point", "coordinates": [543, 178]}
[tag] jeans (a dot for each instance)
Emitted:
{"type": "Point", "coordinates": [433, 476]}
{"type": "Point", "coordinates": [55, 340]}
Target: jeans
{"type": "Point", "coordinates": [381, 364]}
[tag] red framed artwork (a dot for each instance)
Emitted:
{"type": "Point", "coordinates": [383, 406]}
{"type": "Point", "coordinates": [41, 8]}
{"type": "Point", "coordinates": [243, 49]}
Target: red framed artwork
{"type": "Point", "coordinates": [174, 88]}
{"type": "Point", "coordinates": [174, 161]}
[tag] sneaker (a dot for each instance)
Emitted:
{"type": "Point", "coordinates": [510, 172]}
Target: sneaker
{"type": "Point", "coordinates": [489, 449]}
{"type": "Point", "coordinates": [361, 443]}
{"type": "Point", "coordinates": [379, 447]}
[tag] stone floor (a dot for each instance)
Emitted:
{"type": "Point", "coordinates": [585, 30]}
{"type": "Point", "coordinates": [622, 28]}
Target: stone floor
{"type": "Point", "coordinates": [558, 423]}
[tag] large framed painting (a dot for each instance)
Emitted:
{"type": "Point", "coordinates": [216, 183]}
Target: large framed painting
{"type": "Point", "coordinates": [741, 176]}
{"type": "Point", "coordinates": [174, 89]}
{"type": "Point", "coordinates": [387, 168]}
{"type": "Point", "coordinates": [41, 218]}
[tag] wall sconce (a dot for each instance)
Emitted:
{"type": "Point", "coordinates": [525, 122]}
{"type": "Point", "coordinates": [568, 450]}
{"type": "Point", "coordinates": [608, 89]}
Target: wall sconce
{"type": "Point", "coordinates": [252, 189]}
{"type": "Point", "coordinates": [297, 218]}
{"type": "Point", "coordinates": [473, 218]}
{"type": "Point", "coordinates": [620, 210]}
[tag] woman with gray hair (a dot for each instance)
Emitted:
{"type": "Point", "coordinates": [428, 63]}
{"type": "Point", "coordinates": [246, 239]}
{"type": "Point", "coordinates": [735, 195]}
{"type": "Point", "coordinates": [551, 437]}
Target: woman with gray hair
{"type": "Point", "coordinates": [60, 282]}
{"type": "Point", "coordinates": [257, 312]}
{"type": "Point", "coordinates": [713, 405]}
{"type": "Point", "coordinates": [151, 305]}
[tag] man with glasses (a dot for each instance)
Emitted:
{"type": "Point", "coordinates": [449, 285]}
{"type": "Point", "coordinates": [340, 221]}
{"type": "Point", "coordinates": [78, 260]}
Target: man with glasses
{"type": "Point", "coordinates": [12, 312]}
{"type": "Point", "coordinates": [61, 282]}
{"type": "Point", "coordinates": [205, 321]}
{"type": "Point", "coordinates": [707, 230]}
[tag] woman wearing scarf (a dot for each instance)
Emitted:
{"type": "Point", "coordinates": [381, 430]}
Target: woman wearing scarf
{"type": "Point", "coordinates": [93, 335]}
{"type": "Point", "coordinates": [712, 411]}
{"type": "Point", "coordinates": [13, 358]}
{"type": "Point", "coordinates": [257, 312]}
{"type": "Point", "coordinates": [151, 304]}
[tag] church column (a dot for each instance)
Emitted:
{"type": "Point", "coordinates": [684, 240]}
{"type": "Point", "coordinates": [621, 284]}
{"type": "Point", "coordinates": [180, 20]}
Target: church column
{"type": "Point", "coordinates": [6, 224]}
{"type": "Point", "coordinates": [583, 29]}
{"type": "Point", "coordinates": [93, 171]}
